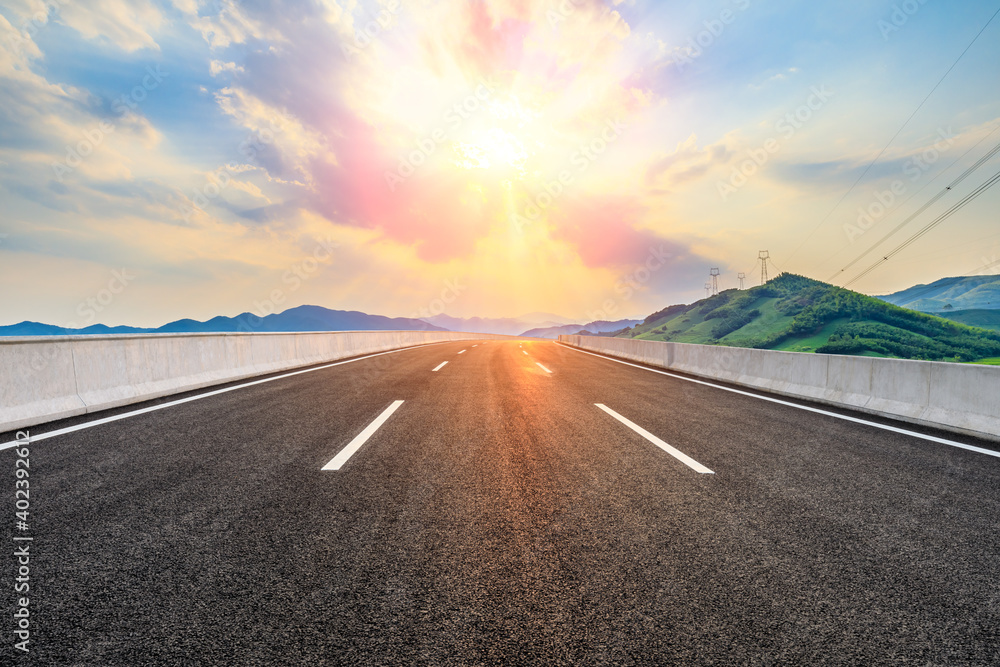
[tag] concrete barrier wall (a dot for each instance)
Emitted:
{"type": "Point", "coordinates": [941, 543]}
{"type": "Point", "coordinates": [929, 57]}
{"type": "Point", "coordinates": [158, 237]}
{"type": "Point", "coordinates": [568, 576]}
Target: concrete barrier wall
{"type": "Point", "coordinates": [964, 398]}
{"type": "Point", "coordinates": [51, 377]}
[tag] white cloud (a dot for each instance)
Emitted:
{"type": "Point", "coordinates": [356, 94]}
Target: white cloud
{"type": "Point", "coordinates": [780, 76]}
{"type": "Point", "coordinates": [127, 24]}
{"type": "Point", "coordinates": [281, 144]}
{"type": "Point", "coordinates": [687, 163]}
{"type": "Point", "coordinates": [217, 67]}
{"type": "Point", "coordinates": [230, 26]}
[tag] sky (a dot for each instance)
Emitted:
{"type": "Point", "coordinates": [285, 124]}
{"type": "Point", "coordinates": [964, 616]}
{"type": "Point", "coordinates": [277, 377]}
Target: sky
{"type": "Point", "coordinates": [595, 160]}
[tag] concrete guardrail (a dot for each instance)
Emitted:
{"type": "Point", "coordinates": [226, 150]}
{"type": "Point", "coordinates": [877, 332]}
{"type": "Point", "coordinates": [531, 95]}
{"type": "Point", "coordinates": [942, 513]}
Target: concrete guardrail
{"type": "Point", "coordinates": [963, 398]}
{"type": "Point", "coordinates": [51, 377]}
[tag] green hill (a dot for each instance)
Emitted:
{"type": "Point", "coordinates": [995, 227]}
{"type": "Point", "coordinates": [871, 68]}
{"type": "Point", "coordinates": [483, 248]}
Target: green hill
{"type": "Point", "coordinates": [984, 319]}
{"type": "Point", "coordinates": [959, 293]}
{"type": "Point", "coordinates": [799, 314]}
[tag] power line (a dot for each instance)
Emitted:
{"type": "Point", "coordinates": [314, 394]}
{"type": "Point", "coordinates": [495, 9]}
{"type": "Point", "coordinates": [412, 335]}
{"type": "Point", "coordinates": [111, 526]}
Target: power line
{"type": "Point", "coordinates": [903, 126]}
{"type": "Point", "coordinates": [944, 216]}
{"type": "Point", "coordinates": [933, 200]}
{"type": "Point", "coordinates": [963, 244]}
{"type": "Point", "coordinates": [976, 270]}
{"type": "Point", "coordinates": [942, 284]}
{"type": "Point", "coordinates": [937, 285]}
{"type": "Point", "coordinates": [986, 266]}
{"type": "Point", "coordinates": [924, 187]}
{"type": "Point", "coordinates": [990, 182]}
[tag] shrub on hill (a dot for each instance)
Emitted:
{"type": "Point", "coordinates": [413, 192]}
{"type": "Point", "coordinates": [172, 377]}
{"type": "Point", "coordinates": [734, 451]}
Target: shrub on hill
{"type": "Point", "coordinates": [669, 310]}
{"type": "Point", "coordinates": [859, 337]}
{"type": "Point", "coordinates": [733, 322]}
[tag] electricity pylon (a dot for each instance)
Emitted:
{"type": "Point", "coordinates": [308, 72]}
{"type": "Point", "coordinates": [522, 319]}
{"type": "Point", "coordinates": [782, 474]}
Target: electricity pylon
{"type": "Point", "coordinates": [763, 256]}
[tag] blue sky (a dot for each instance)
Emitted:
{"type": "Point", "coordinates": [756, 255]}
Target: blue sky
{"type": "Point", "coordinates": [254, 172]}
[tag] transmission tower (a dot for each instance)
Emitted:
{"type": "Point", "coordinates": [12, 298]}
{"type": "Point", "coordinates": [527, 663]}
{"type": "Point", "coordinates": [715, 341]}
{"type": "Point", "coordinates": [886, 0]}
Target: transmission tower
{"type": "Point", "coordinates": [763, 256]}
{"type": "Point", "coordinates": [708, 289]}
{"type": "Point", "coordinates": [741, 277]}
{"type": "Point", "coordinates": [715, 280]}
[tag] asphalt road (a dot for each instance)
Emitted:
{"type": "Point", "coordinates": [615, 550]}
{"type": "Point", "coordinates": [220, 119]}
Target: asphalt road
{"type": "Point", "coordinates": [499, 516]}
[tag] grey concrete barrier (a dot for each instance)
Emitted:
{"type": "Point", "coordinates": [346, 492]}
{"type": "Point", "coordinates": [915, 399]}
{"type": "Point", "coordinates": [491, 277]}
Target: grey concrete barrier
{"type": "Point", "coordinates": [963, 398]}
{"type": "Point", "coordinates": [51, 377]}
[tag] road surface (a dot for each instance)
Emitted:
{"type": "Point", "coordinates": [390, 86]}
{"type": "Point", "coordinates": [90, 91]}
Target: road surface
{"type": "Point", "coordinates": [503, 502]}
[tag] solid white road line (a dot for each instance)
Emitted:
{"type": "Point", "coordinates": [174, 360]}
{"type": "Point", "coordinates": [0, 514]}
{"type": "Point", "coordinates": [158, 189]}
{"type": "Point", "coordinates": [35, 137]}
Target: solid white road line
{"type": "Point", "coordinates": [679, 455]}
{"type": "Point", "coordinates": [440, 366]}
{"type": "Point", "coordinates": [462, 352]}
{"type": "Point", "coordinates": [856, 420]}
{"type": "Point", "coordinates": [347, 452]}
{"type": "Point", "coordinates": [543, 367]}
{"type": "Point", "coordinates": [216, 392]}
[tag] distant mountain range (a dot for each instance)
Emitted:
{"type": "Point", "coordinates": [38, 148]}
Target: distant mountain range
{"type": "Point", "coordinates": [317, 318]}
{"type": "Point", "coordinates": [302, 318]}
{"type": "Point", "coordinates": [509, 326]}
{"type": "Point", "coordinates": [798, 314]}
{"type": "Point", "coordinates": [959, 293]}
{"type": "Point", "coordinates": [596, 327]}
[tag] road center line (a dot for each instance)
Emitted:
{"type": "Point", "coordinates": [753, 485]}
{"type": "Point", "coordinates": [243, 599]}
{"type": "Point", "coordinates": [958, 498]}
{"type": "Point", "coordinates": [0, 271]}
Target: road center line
{"type": "Point", "coordinates": [215, 392]}
{"type": "Point", "coordinates": [440, 366]}
{"type": "Point", "coordinates": [525, 353]}
{"type": "Point", "coordinates": [856, 420]}
{"type": "Point", "coordinates": [347, 452]}
{"type": "Point", "coordinates": [543, 367]}
{"type": "Point", "coordinates": [462, 352]}
{"type": "Point", "coordinates": [677, 454]}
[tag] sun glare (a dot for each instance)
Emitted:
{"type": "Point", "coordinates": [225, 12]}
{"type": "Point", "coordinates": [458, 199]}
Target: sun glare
{"type": "Point", "coordinates": [493, 148]}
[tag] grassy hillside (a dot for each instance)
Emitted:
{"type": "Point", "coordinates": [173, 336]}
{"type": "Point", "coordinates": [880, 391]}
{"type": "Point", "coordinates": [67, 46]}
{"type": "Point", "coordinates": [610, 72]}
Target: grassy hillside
{"type": "Point", "coordinates": [959, 293]}
{"type": "Point", "coordinates": [802, 315]}
{"type": "Point", "coordinates": [984, 319]}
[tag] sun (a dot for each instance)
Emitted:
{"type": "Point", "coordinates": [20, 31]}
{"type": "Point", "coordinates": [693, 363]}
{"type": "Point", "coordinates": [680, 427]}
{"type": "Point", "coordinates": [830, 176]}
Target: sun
{"type": "Point", "coordinates": [495, 147]}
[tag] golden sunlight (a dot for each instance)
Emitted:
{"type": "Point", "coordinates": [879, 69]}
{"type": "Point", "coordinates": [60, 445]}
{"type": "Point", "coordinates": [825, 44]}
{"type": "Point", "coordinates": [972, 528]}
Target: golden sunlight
{"type": "Point", "coordinates": [493, 148]}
